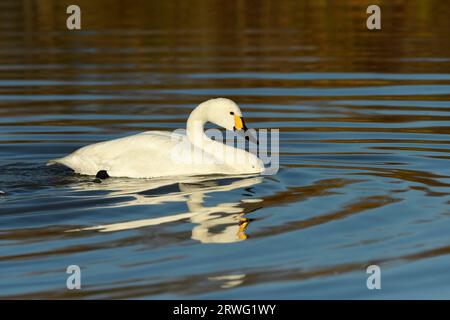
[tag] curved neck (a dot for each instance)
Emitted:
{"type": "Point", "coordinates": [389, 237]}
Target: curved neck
{"type": "Point", "coordinates": [197, 137]}
{"type": "Point", "coordinates": [195, 126]}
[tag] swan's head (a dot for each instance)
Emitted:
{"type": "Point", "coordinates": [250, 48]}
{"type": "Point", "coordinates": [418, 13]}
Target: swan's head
{"type": "Point", "coordinates": [225, 113]}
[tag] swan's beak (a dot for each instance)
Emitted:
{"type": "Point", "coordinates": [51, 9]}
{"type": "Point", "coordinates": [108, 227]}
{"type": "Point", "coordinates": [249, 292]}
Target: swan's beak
{"type": "Point", "coordinates": [241, 128]}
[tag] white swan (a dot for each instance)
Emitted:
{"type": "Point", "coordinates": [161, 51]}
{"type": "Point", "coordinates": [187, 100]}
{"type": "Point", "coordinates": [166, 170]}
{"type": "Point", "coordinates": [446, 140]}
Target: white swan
{"type": "Point", "coordinates": [160, 153]}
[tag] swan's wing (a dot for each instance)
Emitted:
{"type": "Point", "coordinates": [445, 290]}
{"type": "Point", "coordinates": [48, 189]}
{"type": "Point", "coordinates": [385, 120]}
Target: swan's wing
{"type": "Point", "coordinates": [113, 154]}
{"type": "Point", "coordinates": [147, 154]}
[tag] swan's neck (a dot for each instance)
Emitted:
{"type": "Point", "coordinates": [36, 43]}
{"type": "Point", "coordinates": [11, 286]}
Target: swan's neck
{"type": "Point", "coordinates": [196, 135]}
{"type": "Point", "coordinates": [196, 127]}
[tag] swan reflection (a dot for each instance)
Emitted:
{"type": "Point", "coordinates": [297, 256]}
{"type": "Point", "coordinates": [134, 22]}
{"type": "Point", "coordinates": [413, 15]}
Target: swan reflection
{"type": "Point", "coordinates": [229, 280]}
{"type": "Point", "coordinates": [228, 217]}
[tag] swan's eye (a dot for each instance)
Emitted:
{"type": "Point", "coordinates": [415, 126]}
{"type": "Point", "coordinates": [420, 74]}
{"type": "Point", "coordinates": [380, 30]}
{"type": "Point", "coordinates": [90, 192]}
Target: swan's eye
{"type": "Point", "coordinates": [232, 113]}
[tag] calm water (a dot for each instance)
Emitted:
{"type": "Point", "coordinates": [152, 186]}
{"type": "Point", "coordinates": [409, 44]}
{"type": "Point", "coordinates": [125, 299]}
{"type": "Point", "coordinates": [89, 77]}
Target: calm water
{"type": "Point", "coordinates": [364, 121]}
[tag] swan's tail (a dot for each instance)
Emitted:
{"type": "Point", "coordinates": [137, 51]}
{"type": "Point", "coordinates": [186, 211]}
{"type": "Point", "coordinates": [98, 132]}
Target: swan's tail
{"type": "Point", "coordinates": [54, 161]}
{"type": "Point", "coordinates": [76, 164]}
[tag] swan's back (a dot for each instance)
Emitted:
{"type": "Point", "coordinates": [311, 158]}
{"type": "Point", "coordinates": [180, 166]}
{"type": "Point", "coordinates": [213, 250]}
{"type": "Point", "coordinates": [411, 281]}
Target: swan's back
{"type": "Point", "coordinates": [144, 155]}
{"type": "Point", "coordinates": [138, 155]}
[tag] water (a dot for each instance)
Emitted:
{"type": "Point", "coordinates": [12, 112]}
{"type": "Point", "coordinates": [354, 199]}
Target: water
{"type": "Point", "coordinates": [364, 150]}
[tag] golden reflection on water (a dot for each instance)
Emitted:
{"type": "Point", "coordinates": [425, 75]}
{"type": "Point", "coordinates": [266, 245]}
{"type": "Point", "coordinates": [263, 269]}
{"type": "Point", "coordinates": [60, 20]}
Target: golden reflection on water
{"type": "Point", "coordinates": [170, 35]}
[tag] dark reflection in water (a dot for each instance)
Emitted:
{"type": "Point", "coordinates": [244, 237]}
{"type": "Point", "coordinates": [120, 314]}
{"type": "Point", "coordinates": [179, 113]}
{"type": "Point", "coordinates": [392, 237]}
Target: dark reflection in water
{"type": "Point", "coordinates": [364, 149]}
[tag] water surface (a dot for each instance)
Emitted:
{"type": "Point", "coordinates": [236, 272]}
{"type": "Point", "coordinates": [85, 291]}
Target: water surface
{"type": "Point", "coordinates": [364, 120]}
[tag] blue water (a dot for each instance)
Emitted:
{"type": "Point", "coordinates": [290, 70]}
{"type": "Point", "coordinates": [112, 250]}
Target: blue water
{"type": "Point", "coordinates": [364, 174]}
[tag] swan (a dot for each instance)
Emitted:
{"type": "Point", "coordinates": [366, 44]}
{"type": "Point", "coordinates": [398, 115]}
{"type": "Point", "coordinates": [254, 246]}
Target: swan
{"type": "Point", "coordinates": [154, 154]}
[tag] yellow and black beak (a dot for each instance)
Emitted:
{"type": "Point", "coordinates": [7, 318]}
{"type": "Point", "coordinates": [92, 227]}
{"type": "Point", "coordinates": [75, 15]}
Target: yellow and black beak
{"type": "Point", "coordinates": [240, 127]}
{"type": "Point", "coordinates": [239, 123]}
